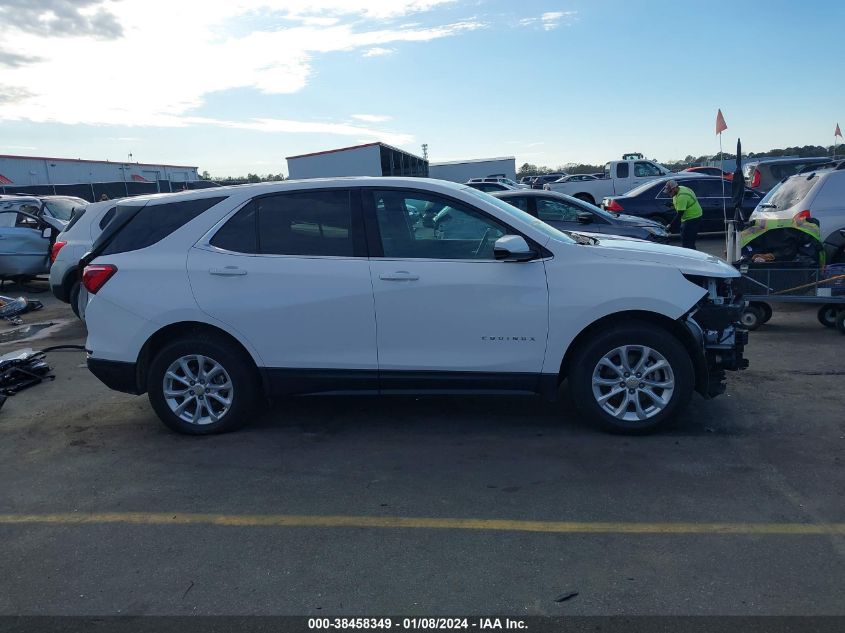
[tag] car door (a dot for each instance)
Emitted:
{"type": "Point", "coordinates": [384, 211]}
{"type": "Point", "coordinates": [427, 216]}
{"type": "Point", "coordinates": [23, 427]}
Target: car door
{"type": "Point", "coordinates": [24, 249]}
{"type": "Point", "coordinates": [710, 197]}
{"type": "Point", "coordinates": [449, 315]}
{"type": "Point", "coordinates": [289, 273]}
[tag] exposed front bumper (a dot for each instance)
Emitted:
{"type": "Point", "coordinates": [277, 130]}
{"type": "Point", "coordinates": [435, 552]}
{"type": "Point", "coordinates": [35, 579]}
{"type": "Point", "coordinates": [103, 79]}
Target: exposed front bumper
{"type": "Point", "coordinates": [116, 375]}
{"type": "Point", "coordinates": [722, 341]}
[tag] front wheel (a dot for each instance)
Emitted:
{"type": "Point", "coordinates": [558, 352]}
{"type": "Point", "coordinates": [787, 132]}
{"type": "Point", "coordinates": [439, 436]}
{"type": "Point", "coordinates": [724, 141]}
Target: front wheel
{"type": "Point", "coordinates": [202, 385]}
{"type": "Point", "coordinates": [632, 378]}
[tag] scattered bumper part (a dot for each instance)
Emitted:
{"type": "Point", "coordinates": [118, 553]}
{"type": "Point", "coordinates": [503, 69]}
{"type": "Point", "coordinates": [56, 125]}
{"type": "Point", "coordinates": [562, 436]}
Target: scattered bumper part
{"type": "Point", "coordinates": [22, 369]}
{"type": "Point", "coordinates": [11, 308]}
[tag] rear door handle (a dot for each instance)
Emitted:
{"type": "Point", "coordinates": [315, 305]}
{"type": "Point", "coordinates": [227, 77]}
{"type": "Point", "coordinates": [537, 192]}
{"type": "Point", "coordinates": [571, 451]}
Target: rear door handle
{"type": "Point", "coordinates": [229, 271]}
{"type": "Point", "coordinates": [399, 275]}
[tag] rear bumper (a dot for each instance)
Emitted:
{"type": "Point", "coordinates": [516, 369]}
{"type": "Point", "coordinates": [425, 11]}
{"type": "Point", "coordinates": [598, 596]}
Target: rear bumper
{"type": "Point", "coordinates": [116, 375]}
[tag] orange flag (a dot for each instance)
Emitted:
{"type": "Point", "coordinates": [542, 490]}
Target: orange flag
{"type": "Point", "coordinates": [838, 132]}
{"type": "Point", "coordinates": [721, 126]}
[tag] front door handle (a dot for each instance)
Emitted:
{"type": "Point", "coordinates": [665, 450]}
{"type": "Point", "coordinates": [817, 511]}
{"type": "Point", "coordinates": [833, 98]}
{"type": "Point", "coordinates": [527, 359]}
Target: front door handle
{"type": "Point", "coordinates": [399, 275]}
{"type": "Point", "coordinates": [229, 271]}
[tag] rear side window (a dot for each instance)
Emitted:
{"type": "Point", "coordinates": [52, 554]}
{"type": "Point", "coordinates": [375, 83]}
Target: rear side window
{"type": "Point", "coordinates": [154, 222]}
{"type": "Point", "coordinates": [317, 223]}
{"type": "Point", "coordinates": [240, 233]}
{"type": "Point", "coordinates": [622, 170]}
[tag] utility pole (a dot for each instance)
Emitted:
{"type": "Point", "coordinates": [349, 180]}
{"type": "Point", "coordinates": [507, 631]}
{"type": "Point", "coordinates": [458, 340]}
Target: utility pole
{"type": "Point", "coordinates": [425, 150]}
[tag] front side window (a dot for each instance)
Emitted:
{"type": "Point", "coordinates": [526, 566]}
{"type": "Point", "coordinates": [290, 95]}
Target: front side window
{"type": "Point", "coordinates": [643, 169]}
{"type": "Point", "coordinates": [306, 223]}
{"type": "Point", "coordinates": [437, 229]}
{"type": "Point", "coordinates": [556, 210]}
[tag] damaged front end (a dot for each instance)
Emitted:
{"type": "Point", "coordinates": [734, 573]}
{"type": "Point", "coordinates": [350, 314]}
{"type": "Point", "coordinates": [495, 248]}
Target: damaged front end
{"type": "Point", "coordinates": [714, 323]}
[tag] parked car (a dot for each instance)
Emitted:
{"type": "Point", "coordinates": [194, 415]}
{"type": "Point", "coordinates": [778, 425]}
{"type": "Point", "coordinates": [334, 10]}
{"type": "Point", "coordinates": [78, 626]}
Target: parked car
{"type": "Point", "coordinates": [28, 228]}
{"type": "Point", "coordinates": [490, 187]}
{"type": "Point", "coordinates": [620, 176]}
{"type": "Point", "coordinates": [710, 171]}
{"type": "Point", "coordinates": [211, 300]}
{"type": "Point", "coordinates": [71, 244]}
{"type": "Point", "coordinates": [765, 173]}
{"type": "Point", "coordinates": [576, 178]}
{"type": "Point", "coordinates": [499, 179]}
{"type": "Point", "coordinates": [650, 200]}
{"type": "Point", "coordinates": [541, 180]}
{"type": "Point", "coordinates": [526, 180]}
{"type": "Point", "coordinates": [566, 213]}
{"type": "Point", "coordinates": [820, 195]}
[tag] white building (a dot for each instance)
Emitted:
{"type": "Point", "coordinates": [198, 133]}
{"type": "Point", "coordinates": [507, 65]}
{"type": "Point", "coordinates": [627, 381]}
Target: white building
{"type": "Point", "coordinates": [463, 170]}
{"type": "Point", "coordinates": [371, 159]}
{"type": "Point", "coordinates": [28, 171]}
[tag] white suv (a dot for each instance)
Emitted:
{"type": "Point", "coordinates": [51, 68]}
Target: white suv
{"type": "Point", "coordinates": [71, 244]}
{"type": "Point", "coordinates": [212, 300]}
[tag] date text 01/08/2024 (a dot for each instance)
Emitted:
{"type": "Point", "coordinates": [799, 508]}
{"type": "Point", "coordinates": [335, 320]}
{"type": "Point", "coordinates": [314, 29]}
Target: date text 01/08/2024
{"type": "Point", "coordinates": [416, 623]}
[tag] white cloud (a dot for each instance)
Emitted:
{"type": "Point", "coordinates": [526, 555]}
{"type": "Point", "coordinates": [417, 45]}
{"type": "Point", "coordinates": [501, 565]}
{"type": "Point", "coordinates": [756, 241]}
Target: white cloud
{"type": "Point", "coordinates": [371, 118]}
{"type": "Point", "coordinates": [378, 51]}
{"type": "Point", "coordinates": [201, 48]}
{"type": "Point", "coordinates": [550, 20]}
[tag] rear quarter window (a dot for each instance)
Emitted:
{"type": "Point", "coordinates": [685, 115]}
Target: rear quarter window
{"type": "Point", "coordinates": [154, 222]}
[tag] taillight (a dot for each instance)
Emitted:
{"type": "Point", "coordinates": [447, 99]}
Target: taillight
{"type": "Point", "coordinates": [755, 179]}
{"type": "Point", "coordinates": [54, 251]}
{"type": "Point", "coordinates": [614, 206]}
{"type": "Point", "coordinates": [801, 216]}
{"type": "Point", "coordinates": [95, 276]}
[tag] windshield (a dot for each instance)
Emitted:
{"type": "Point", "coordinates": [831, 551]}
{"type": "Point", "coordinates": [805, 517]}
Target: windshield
{"type": "Point", "coordinates": [62, 208]}
{"type": "Point", "coordinates": [793, 191]}
{"type": "Point", "coordinates": [521, 215]}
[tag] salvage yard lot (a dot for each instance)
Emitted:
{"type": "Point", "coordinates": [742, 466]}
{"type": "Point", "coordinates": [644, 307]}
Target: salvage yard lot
{"type": "Point", "coordinates": [505, 503]}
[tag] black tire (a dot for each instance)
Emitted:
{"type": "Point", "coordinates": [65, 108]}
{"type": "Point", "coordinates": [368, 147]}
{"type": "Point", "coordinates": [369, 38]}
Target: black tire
{"type": "Point", "coordinates": [765, 309]}
{"type": "Point", "coordinates": [840, 321]}
{"type": "Point", "coordinates": [584, 363]}
{"type": "Point", "coordinates": [73, 298]}
{"type": "Point", "coordinates": [752, 317]}
{"type": "Point", "coordinates": [585, 197]}
{"type": "Point", "coordinates": [827, 315]}
{"type": "Point", "coordinates": [242, 373]}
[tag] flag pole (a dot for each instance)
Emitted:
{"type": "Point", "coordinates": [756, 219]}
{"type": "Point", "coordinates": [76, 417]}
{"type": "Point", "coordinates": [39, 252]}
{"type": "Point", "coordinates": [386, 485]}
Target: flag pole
{"type": "Point", "coordinates": [724, 204]}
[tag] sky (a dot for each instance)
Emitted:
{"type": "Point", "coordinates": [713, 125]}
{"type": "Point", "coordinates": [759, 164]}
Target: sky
{"type": "Point", "coordinates": [234, 87]}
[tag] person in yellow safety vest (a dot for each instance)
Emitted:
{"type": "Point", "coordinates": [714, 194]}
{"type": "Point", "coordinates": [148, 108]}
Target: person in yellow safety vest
{"type": "Point", "coordinates": [686, 204]}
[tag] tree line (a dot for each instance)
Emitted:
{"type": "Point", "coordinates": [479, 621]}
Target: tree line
{"type": "Point", "coordinates": [530, 169]}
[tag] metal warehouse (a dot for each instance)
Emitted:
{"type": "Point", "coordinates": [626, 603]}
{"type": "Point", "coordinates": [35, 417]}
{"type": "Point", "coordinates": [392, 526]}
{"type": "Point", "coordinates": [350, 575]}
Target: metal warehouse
{"type": "Point", "coordinates": [463, 170]}
{"type": "Point", "coordinates": [371, 159]}
{"type": "Point", "coordinates": [41, 175]}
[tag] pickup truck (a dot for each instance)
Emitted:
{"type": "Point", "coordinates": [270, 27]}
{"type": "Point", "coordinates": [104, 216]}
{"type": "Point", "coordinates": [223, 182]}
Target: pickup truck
{"type": "Point", "coordinates": [620, 176]}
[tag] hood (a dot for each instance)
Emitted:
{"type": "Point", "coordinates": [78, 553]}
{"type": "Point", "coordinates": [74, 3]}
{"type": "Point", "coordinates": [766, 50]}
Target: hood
{"type": "Point", "coordinates": [686, 260]}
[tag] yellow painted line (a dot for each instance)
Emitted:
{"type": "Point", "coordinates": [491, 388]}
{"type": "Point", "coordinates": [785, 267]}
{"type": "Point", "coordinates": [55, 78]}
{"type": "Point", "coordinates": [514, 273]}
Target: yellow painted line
{"type": "Point", "coordinates": [502, 525]}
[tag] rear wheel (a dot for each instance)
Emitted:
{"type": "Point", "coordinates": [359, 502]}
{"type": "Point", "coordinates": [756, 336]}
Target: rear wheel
{"type": "Point", "coordinates": [827, 315]}
{"type": "Point", "coordinates": [840, 321]}
{"type": "Point", "coordinates": [585, 197]}
{"type": "Point", "coordinates": [202, 385]}
{"type": "Point", "coordinates": [632, 378]}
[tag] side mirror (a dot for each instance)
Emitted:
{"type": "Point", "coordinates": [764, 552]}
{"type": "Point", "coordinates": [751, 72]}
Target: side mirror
{"type": "Point", "coordinates": [513, 248]}
{"type": "Point", "coordinates": [585, 217]}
